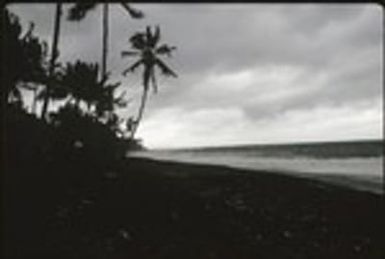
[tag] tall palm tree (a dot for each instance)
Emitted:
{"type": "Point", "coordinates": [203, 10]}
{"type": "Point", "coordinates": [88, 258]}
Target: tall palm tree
{"type": "Point", "coordinates": [54, 55]}
{"type": "Point", "coordinates": [79, 11]}
{"type": "Point", "coordinates": [145, 46]}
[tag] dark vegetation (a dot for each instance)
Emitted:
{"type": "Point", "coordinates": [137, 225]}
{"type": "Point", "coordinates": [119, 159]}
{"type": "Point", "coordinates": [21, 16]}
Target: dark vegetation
{"type": "Point", "coordinates": [85, 122]}
{"type": "Point", "coordinates": [48, 155]}
{"type": "Point", "coordinates": [69, 191]}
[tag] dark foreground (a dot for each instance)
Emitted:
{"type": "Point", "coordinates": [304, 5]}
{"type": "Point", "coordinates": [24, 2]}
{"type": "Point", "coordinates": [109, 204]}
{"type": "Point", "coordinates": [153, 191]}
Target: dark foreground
{"type": "Point", "coordinates": [148, 209]}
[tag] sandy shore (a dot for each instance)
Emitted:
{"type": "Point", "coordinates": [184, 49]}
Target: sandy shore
{"type": "Point", "coordinates": [151, 209]}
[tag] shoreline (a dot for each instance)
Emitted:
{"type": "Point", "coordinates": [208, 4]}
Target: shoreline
{"type": "Point", "coordinates": [351, 181]}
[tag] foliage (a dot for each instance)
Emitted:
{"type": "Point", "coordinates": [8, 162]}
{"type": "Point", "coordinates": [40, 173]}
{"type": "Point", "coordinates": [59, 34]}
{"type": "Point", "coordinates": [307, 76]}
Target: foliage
{"type": "Point", "coordinates": [94, 125]}
{"type": "Point", "coordinates": [52, 61]}
{"type": "Point", "coordinates": [145, 46]}
{"type": "Point", "coordinates": [24, 58]}
{"type": "Point", "coordinates": [83, 135]}
{"type": "Point", "coordinates": [79, 10]}
{"type": "Point", "coordinates": [80, 82]}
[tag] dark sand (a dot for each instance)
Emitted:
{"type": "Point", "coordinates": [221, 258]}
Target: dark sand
{"type": "Point", "coordinates": [150, 209]}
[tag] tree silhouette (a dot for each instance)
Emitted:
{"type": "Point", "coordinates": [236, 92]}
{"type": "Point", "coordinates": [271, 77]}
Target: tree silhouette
{"type": "Point", "coordinates": [145, 47]}
{"type": "Point", "coordinates": [79, 11]}
{"type": "Point", "coordinates": [54, 56]}
{"type": "Point", "coordinates": [107, 102]}
{"type": "Point", "coordinates": [24, 59]}
{"type": "Point", "coordinates": [80, 81]}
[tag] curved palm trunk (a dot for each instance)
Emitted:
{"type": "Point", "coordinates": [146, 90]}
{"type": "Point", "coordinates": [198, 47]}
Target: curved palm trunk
{"type": "Point", "coordinates": [54, 56]}
{"type": "Point", "coordinates": [140, 113]}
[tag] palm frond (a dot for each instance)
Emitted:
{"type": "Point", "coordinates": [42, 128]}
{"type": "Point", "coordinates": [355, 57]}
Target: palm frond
{"type": "Point", "coordinates": [29, 32]}
{"type": "Point", "coordinates": [134, 13]}
{"type": "Point", "coordinates": [165, 69]}
{"type": "Point", "coordinates": [119, 101]}
{"type": "Point", "coordinates": [79, 11]}
{"type": "Point", "coordinates": [148, 35]}
{"type": "Point", "coordinates": [138, 41]}
{"type": "Point", "coordinates": [112, 87]}
{"type": "Point", "coordinates": [133, 67]}
{"type": "Point", "coordinates": [130, 53]}
{"type": "Point", "coordinates": [152, 37]}
{"type": "Point", "coordinates": [156, 36]}
{"type": "Point", "coordinates": [165, 50]}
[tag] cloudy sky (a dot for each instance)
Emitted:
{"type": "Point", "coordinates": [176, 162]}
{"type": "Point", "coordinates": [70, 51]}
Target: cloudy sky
{"type": "Point", "coordinates": [248, 73]}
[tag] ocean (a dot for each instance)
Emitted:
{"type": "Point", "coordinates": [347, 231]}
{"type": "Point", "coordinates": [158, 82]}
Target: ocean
{"type": "Point", "coordinates": [356, 164]}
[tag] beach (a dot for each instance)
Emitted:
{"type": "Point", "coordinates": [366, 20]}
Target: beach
{"type": "Point", "coordinates": [143, 208]}
{"type": "Point", "coordinates": [192, 131]}
{"type": "Point", "coordinates": [357, 165]}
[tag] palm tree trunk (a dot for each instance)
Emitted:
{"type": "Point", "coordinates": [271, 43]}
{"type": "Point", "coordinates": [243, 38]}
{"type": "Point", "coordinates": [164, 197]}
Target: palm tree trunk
{"type": "Point", "coordinates": [105, 40]}
{"type": "Point", "coordinates": [54, 55]}
{"type": "Point", "coordinates": [105, 47]}
{"type": "Point", "coordinates": [140, 112]}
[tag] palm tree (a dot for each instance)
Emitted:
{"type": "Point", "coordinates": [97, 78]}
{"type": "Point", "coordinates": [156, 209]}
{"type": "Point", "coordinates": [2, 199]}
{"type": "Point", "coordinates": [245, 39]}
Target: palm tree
{"type": "Point", "coordinates": [106, 102]}
{"type": "Point", "coordinates": [81, 82]}
{"type": "Point", "coordinates": [145, 46]}
{"type": "Point", "coordinates": [79, 11]}
{"type": "Point", "coordinates": [54, 55]}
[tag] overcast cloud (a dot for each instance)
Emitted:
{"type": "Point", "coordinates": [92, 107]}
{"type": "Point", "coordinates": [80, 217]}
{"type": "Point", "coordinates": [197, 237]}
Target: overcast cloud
{"type": "Point", "coordinates": [248, 73]}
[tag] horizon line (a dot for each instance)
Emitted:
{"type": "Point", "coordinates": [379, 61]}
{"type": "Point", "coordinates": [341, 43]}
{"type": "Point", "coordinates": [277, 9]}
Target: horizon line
{"type": "Point", "coordinates": [300, 142]}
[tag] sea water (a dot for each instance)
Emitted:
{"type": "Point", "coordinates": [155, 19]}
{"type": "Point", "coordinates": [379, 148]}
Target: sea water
{"type": "Point", "coordinates": [355, 164]}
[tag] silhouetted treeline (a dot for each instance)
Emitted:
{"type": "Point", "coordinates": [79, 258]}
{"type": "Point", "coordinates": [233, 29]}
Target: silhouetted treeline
{"type": "Point", "coordinates": [78, 141]}
{"type": "Point", "coordinates": [85, 121]}
{"type": "Point", "coordinates": [63, 135]}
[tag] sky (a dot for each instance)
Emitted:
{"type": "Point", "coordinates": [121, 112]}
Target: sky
{"type": "Point", "coordinates": [247, 73]}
